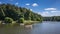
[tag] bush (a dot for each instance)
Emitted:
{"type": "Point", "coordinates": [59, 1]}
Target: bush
{"type": "Point", "coordinates": [21, 20]}
{"type": "Point", "coordinates": [8, 20]}
{"type": "Point", "coordinates": [38, 19]}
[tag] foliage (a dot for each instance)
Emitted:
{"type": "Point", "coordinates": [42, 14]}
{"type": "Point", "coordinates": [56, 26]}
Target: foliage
{"type": "Point", "coordinates": [53, 18]}
{"type": "Point", "coordinates": [15, 12]}
{"type": "Point", "coordinates": [21, 20]}
{"type": "Point", "coordinates": [8, 20]}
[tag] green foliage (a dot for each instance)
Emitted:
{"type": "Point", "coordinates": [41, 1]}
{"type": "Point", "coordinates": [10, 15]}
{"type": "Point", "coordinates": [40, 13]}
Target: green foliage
{"type": "Point", "coordinates": [38, 19]}
{"type": "Point", "coordinates": [54, 18]}
{"type": "Point", "coordinates": [8, 20]}
{"type": "Point", "coordinates": [21, 20]}
{"type": "Point", "coordinates": [15, 12]}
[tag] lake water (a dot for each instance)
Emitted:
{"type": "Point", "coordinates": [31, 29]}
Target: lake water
{"type": "Point", "coordinates": [46, 27]}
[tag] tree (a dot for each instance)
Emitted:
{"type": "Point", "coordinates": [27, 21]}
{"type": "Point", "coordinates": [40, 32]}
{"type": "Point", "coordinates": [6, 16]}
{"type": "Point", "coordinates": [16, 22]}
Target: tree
{"type": "Point", "coordinates": [21, 20]}
{"type": "Point", "coordinates": [15, 12]}
{"type": "Point", "coordinates": [8, 20]}
{"type": "Point", "coordinates": [2, 14]}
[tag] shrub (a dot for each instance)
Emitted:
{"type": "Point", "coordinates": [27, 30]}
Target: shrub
{"type": "Point", "coordinates": [38, 19]}
{"type": "Point", "coordinates": [8, 20]}
{"type": "Point", "coordinates": [21, 20]}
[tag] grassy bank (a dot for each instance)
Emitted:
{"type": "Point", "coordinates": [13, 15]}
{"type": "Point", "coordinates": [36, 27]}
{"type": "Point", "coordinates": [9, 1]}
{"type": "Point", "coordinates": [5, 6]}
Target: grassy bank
{"type": "Point", "coordinates": [30, 22]}
{"type": "Point", "coordinates": [26, 22]}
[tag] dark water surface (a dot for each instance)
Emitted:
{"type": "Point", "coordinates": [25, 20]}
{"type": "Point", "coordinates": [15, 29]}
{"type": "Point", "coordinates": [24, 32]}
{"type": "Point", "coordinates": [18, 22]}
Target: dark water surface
{"type": "Point", "coordinates": [45, 27]}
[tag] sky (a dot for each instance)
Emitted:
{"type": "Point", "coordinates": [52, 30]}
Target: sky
{"type": "Point", "coordinates": [42, 7]}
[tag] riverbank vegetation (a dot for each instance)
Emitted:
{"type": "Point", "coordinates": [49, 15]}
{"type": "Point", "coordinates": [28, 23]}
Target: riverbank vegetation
{"type": "Point", "coordinates": [53, 18]}
{"type": "Point", "coordinates": [11, 13]}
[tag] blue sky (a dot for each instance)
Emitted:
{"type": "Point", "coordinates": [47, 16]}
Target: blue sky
{"type": "Point", "coordinates": [43, 7]}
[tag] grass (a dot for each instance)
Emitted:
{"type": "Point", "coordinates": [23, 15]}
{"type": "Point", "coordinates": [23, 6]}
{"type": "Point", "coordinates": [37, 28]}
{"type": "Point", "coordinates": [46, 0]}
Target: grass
{"type": "Point", "coordinates": [29, 22]}
{"type": "Point", "coordinates": [26, 22]}
{"type": "Point", "coordinates": [0, 22]}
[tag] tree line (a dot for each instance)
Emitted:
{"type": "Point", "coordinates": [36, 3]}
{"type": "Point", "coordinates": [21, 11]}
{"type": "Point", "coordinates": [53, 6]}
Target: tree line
{"type": "Point", "coordinates": [9, 12]}
{"type": "Point", "coordinates": [53, 18]}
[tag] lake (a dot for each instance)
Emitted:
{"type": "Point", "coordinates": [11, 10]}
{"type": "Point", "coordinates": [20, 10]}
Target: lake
{"type": "Point", "coordinates": [46, 27]}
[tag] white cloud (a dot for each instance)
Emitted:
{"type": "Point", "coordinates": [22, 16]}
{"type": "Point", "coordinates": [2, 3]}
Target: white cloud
{"type": "Point", "coordinates": [16, 3]}
{"type": "Point", "coordinates": [34, 4]}
{"type": "Point", "coordinates": [50, 9]}
{"type": "Point", "coordinates": [55, 11]}
{"type": "Point", "coordinates": [45, 13]}
{"type": "Point", "coordinates": [51, 13]}
{"type": "Point", "coordinates": [27, 4]}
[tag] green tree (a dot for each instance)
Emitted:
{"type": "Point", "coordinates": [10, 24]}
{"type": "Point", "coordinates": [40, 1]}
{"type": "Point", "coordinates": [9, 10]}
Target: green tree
{"type": "Point", "coordinates": [21, 20]}
{"type": "Point", "coordinates": [15, 12]}
{"type": "Point", "coordinates": [8, 20]}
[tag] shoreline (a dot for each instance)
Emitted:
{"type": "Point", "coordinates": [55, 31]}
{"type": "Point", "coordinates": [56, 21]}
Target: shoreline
{"type": "Point", "coordinates": [28, 21]}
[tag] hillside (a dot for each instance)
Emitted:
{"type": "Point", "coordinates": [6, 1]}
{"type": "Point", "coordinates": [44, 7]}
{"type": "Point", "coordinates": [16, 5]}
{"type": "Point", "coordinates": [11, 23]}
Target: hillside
{"type": "Point", "coordinates": [15, 13]}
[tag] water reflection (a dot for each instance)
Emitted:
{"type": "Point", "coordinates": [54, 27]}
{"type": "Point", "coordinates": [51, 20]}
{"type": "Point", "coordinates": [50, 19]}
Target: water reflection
{"type": "Point", "coordinates": [40, 28]}
{"type": "Point", "coordinates": [14, 29]}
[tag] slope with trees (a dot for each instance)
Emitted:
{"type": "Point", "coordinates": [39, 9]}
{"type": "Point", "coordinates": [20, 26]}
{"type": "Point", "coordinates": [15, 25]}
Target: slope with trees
{"type": "Point", "coordinates": [16, 13]}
